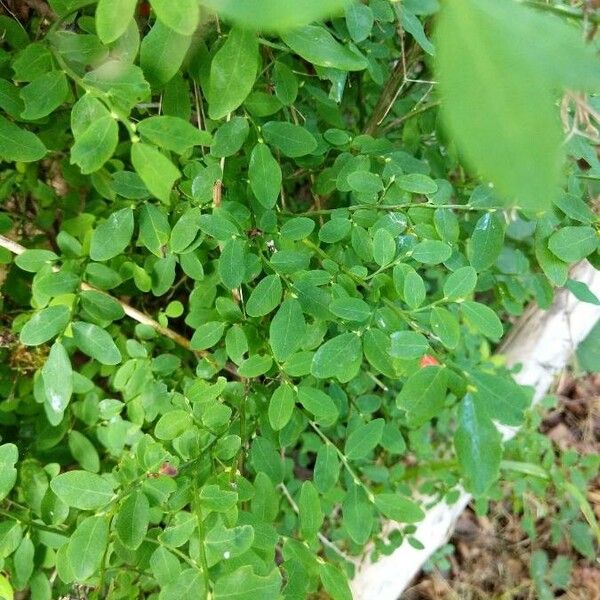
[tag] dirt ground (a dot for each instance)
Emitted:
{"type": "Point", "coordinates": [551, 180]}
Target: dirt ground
{"type": "Point", "coordinates": [492, 554]}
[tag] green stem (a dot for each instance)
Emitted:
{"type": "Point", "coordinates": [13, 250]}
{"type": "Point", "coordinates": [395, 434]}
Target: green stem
{"type": "Point", "coordinates": [201, 534]}
{"type": "Point", "coordinates": [31, 523]}
{"type": "Point", "coordinates": [344, 460]}
{"type": "Point", "coordinates": [392, 207]}
{"type": "Point", "coordinates": [564, 11]}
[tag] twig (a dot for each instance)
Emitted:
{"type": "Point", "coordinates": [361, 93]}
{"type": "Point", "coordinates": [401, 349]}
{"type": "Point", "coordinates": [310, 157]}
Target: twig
{"type": "Point", "coordinates": [131, 312]}
{"type": "Point", "coordinates": [564, 11]}
{"type": "Point", "coordinates": [391, 90]}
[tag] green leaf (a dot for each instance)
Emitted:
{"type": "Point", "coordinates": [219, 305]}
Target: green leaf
{"type": "Point", "coordinates": [84, 452]}
{"type": "Point", "coordinates": [265, 458]}
{"type": "Point", "coordinates": [483, 319]}
{"type": "Point", "coordinates": [55, 283]}
{"type": "Point", "coordinates": [413, 25]}
{"type": "Point", "coordinates": [9, 455]}
{"type": "Point", "coordinates": [384, 247]}
{"type": "Point", "coordinates": [23, 563]}
{"type": "Point", "coordinates": [408, 345]}
{"type": "Point", "coordinates": [112, 236]}
{"type": "Point", "coordinates": [172, 424]}
{"type": "Point", "coordinates": [350, 309]}
{"type": "Point", "coordinates": [376, 346]}
{"type": "Point", "coordinates": [255, 366]}
{"type": "Point", "coordinates": [363, 439]}
{"type": "Point", "coordinates": [416, 183]}
{"type": "Point", "coordinates": [286, 83]}
{"type": "Point", "coordinates": [414, 289]}
{"type": "Point", "coordinates": [207, 335]}
{"type": "Point", "coordinates": [327, 468]}
{"type": "Point", "coordinates": [162, 53]}
{"type": "Point", "coordinates": [460, 284]}
{"type": "Point", "coordinates": [244, 584]}
{"type": "Point", "coordinates": [339, 357]}
{"type": "Point", "coordinates": [423, 395]}
{"type": "Point", "coordinates": [573, 243]}
{"type": "Point", "coordinates": [287, 329]}
{"type": "Point", "coordinates": [87, 546]}
{"type": "Point", "coordinates": [364, 182]}
{"type": "Point", "coordinates": [265, 297]}
{"type": "Point", "coordinates": [181, 17]}
{"type": "Point", "coordinates": [164, 565]}
{"type": "Point", "coordinates": [311, 515]}
{"type": "Point", "coordinates": [359, 20]}
{"type": "Point", "coordinates": [265, 176]}
{"type": "Point", "coordinates": [431, 252]}
{"type": "Point", "coordinates": [131, 522]}
{"type": "Point", "coordinates": [44, 95]}
{"type": "Point", "coordinates": [113, 17]}
{"type": "Point", "coordinates": [230, 137]}
{"type": "Point", "coordinates": [83, 490]}
{"type": "Point", "coordinates": [274, 15]}
{"type": "Point", "coordinates": [575, 208]}
{"type": "Point", "coordinates": [157, 172]}
{"type": "Point", "coordinates": [335, 230]}
{"type": "Point", "coordinates": [478, 447]}
{"type": "Point", "coordinates": [18, 144]}
{"type": "Point", "coordinates": [445, 326]}
{"type": "Point", "coordinates": [44, 325]}
{"type": "Point", "coordinates": [399, 508]}
{"type": "Point", "coordinates": [173, 133]}
{"type": "Point", "coordinates": [96, 145]}
{"type": "Point", "coordinates": [34, 259]}
{"type": "Point", "coordinates": [500, 398]}
{"type": "Point", "coordinates": [222, 543]}
{"type": "Point", "coordinates": [582, 292]}
{"type": "Point", "coordinates": [281, 406]}
{"type": "Point", "coordinates": [316, 45]}
{"type": "Point", "coordinates": [319, 404]}
{"type": "Point", "coordinates": [124, 82]}
{"type": "Point", "coordinates": [185, 230]}
{"type": "Point", "coordinates": [57, 376]}
{"type": "Point", "coordinates": [232, 73]}
{"type": "Point", "coordinates": [292, 140]}
{"type": "Point", "coordinates": [231, 263]}
{"type": "Point", "coordinates": [96, 343]}
{"type": "Point", "coordinates": [489, 83]}
{"type": "Point", "coordinates": [357, 515]}
{"type": "Point", "coordinates": [556, 270]}
{"type": "Point", "coordinates": [154, 229]}
{"type": "Point", "coordinates": [334, 582]}
{"type": "Point", "coordinates": [486, 241]}
{"type": "Point", "coordinates": [218, 227]}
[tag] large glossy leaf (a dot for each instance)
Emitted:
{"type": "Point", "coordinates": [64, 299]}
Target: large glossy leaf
{"type": "Point", "coordinates": [498, 65]}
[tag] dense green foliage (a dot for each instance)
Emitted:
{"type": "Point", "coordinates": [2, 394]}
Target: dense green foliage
{"type": "Point", "coordinates": [283, 196]}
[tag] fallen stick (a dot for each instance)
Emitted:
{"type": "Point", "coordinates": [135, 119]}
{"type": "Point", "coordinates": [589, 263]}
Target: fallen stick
{"type": "Point", "coordinates": [543, 342]}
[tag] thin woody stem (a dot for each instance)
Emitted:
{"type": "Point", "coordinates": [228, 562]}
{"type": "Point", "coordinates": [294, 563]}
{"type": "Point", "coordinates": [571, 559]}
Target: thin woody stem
{"type": "Point", "coordinates": [131, 312]}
